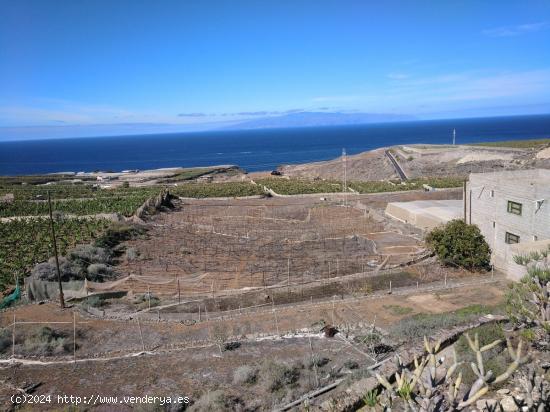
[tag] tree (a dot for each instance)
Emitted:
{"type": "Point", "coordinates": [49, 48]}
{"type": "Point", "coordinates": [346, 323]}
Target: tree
{"type": "Point", "coordinates": [460, 244]}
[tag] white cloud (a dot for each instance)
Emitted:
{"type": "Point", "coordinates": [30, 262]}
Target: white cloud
{"type": "Point", "coordinates": [456, 91]}
{"type": "Point", "coordinates": [511, 31]}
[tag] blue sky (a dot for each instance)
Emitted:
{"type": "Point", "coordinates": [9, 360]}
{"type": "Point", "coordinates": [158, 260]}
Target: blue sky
{"type": "Point", "coordinates": [94, 62]}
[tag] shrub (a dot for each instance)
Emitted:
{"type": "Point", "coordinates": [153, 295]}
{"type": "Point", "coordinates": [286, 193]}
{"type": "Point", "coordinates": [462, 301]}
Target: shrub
{"type": "Point", "coordinates": [117, 233]}
{"type": "Point", "coordinates": [317, 361]}
{"type": "Point", "coordinates": [217, 401]}
{"type": "Point", "coordinates": [229, 346]}
{"type": "Point", "coordinates": [349, 364]}
{"type": "Point", "coordinates": [95, 301]}
{"type": "Point", "coordinates": [143, 301]}
{"type": "Point", "coordinates": [46, 341]}
{"type": "Point", "coordinates": [460, 244]}
{"type": "Point", "coordinates": [369, 339]}
{"type": "Point", "coordinates": [277, 376]}
{"type": "Point", "coordinates": [245, 375]}
{"type": "Point", "coordinates": [82, 261]}
{"type": "Point", "coordinates": [5, 340]}
{"type": "Point", "coordinates": [131, 254]}
{"type": "Point", "coordinates": [99, 272]}
{"type": "Point", "coordinates": [47, 270]}
{"type": "Point", "coordinates": [85, 255]}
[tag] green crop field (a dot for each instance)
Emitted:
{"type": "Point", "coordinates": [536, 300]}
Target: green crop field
{"type": "Point", "coordinates": [300, 186]}
{"type": "Point", "coordinates": [83, 199]}
{"type": "Point", "coordinates": [26, 242]}
{"type": "Point", "coordinates": [226, 189]}
{"type": "Point", "coordinates": [123, 205]}
{"type": "Point", "coordinates": [413, 184]}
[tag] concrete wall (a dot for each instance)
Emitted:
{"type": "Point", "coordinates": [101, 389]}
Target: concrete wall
{"type": "Point", "coordinates": [425, 214]}
{"type": "Point", "coordinates": [487, 207]}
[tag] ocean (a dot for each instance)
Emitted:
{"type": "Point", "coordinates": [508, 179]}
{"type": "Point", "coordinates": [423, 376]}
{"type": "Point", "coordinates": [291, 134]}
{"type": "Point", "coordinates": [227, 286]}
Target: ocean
{"type": "Point", "coordinates": [253, 150]}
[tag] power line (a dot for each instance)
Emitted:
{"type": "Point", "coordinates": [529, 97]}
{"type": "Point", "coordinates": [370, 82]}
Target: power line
{"type": "Point", "coordinates": [61, 299]}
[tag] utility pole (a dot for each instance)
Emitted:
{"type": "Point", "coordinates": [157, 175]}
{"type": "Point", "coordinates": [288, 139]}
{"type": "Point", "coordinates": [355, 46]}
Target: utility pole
{"type": "Point", "coordinates": [345, 177]}
{"type": "Point", "coordinates": [61, 299]}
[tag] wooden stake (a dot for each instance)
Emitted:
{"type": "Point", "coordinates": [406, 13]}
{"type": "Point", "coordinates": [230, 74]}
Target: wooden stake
{"type": "Point", "coordinates": [141, 335]}
{"type": "Point", "coordinates": [149, 296]}
{"type": "Point", "coordinates": [179, 294]}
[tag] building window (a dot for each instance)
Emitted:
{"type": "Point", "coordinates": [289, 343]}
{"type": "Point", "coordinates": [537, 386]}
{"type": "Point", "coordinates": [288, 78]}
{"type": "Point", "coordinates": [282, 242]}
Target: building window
{"type": "Point", "coordinates": [514, 207]}
{"type": "Point", "coordinates": [511, 238]}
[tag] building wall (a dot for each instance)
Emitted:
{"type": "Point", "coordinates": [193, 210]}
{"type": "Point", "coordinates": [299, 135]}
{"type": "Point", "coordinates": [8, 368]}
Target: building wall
{"type": "Point", "coordinates": [487, 197]}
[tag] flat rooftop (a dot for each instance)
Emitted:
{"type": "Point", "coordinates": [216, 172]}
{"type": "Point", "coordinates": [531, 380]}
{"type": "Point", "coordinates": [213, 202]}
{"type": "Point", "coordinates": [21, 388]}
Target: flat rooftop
{"type": "Point", "coordinates": [426, 214]}
{"type": "Point", "coordinates": [520, 176]}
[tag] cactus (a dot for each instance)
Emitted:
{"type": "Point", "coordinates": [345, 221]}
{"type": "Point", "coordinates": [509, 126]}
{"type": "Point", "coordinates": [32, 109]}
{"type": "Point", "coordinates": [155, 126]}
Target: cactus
{"type": "Point", "coordinates": [428, 386]}
{"type": "Point", "coordinates": [529, 300]}
{"type": "Point", "coordinates": [536, 390]}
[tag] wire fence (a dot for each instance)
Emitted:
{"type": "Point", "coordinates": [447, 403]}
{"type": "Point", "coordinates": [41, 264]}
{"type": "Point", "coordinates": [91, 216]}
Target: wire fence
{"type": "Point", "coordinates": [87, 334]}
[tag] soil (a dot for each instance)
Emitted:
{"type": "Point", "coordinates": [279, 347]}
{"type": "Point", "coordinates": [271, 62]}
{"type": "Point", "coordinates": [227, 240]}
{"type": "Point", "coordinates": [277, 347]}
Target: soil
{"type": "Point", "coordinates": [186, 362]}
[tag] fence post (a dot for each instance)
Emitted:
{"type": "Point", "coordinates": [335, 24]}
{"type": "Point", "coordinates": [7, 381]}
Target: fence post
{"type": "Point", "coordinates": [275, 315]}
{"type": "Point", "coordinates": [74, 337]}
{"type": "Point", "coordinates": [13, 338]}
{"type": "Point", "coordinates": [332, 310]}
{"type": "Point", "coordinates": [141, 335]}
{"type": "Point", "coordinates": [288, 276]}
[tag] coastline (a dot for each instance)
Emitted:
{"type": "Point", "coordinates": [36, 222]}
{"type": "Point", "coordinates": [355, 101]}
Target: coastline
{"type": "Point", "coordinates": [253, 150]}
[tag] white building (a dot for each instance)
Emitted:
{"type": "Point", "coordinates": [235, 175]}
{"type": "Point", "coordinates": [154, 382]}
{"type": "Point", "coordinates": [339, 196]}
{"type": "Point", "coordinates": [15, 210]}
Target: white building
{"type": "Point", "coordinates": [512, 210]}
